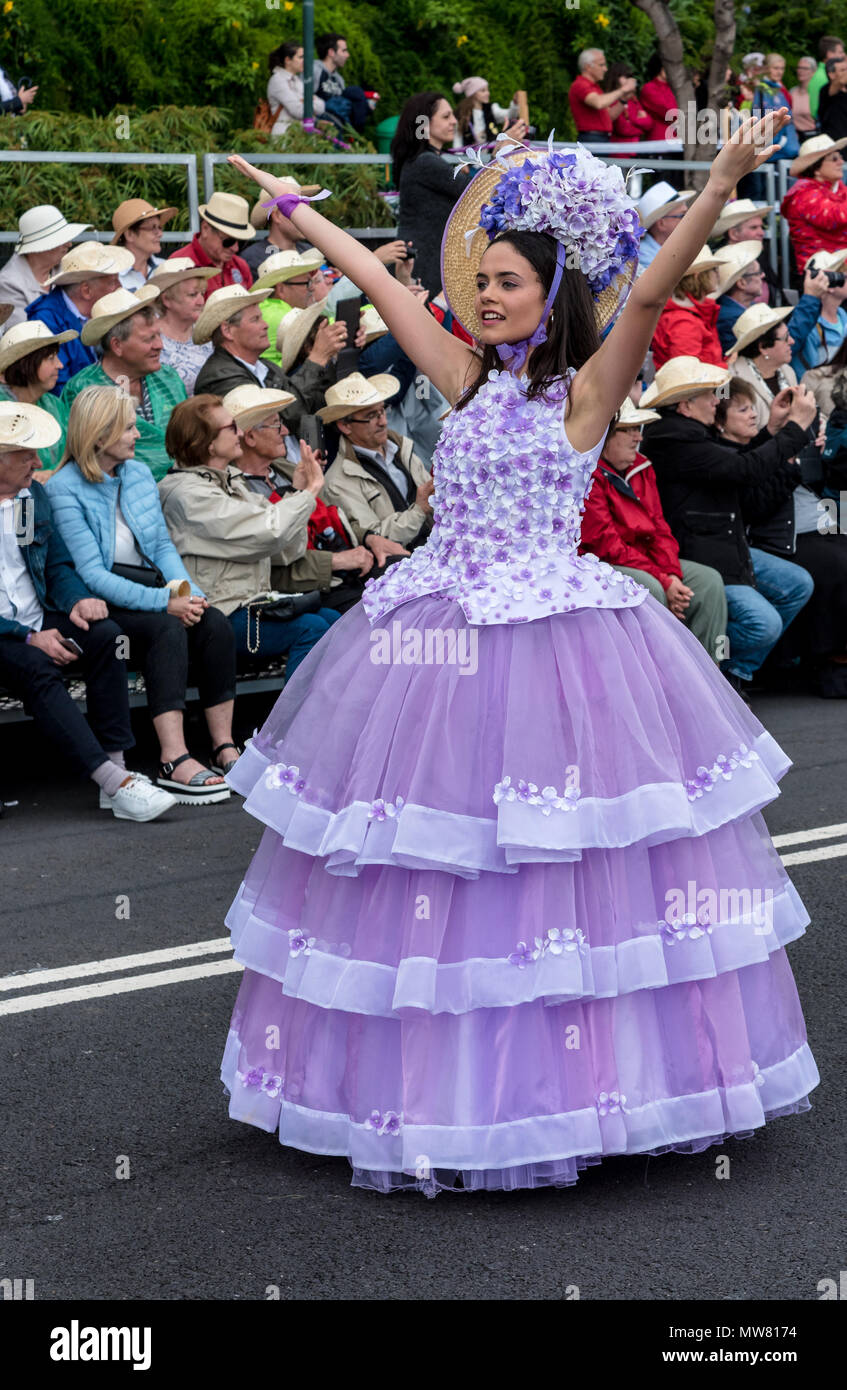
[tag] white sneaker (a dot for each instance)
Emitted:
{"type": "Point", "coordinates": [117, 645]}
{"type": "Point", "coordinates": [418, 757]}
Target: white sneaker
{"type": "Point", "coordinates": [106, 802]}
{"type": "Point", "coordinates": [140, 800]}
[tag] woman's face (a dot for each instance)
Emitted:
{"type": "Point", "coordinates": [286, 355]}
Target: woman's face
{"type": "Point", "coordinates": [124, 446]}
{"type": "Point", "coordinates": [48, 371]}
{"type": "Point", "coordinates": [805, 72]}
{"type": "Point", "coordinates": [186, 297]}
{"type": "Point", "coordinates": [776, 69]}
{"type": "Point", "coordinates": [621, 447]}
{"type": "Point", "coordinates": [226, 446]}
{"type": "Point", "coordinates": [740, 423]}
{"type": "Point", "coordinates": [482, 97]}
{"type": "Point", "coordinates": [145, 238]}
{"type": "Point", "coordinates": [442, 124]}
{"type": "Point", "coordinates": [779, 352]}
{"type": "Point", "coordinates": [509, 296]}
{"type": "Point", "coordinates": [295, 64]}
{"type": "Point", "coordinates": [829, 169]}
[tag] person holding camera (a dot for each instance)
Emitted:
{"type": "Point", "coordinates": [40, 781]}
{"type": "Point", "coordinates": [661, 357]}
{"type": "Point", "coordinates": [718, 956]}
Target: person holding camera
{"type": "Point", "coordinates": [830, 329]}
{"type": "Point", "coordinates": [14, 101]}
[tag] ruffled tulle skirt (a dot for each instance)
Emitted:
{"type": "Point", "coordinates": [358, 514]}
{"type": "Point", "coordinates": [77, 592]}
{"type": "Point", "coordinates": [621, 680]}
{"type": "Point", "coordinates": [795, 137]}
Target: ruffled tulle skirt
{"type": "Point", "coordinates": [515, 907]}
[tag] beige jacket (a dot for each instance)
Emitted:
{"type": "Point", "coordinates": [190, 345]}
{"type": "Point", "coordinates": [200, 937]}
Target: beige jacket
{"type": "Point", "coordinates": [744, 368]}
{"type": "Point", "coordinates": [820, 381]}
{"type": "Point", "coordinates": [229, 537]}
{"type": "Point", "coordinates": [366, 502]}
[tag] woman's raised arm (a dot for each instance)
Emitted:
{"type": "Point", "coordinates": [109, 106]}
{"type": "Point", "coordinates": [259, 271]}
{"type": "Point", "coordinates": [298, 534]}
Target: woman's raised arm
{"type": "Point", "coordinates": [444, 358]}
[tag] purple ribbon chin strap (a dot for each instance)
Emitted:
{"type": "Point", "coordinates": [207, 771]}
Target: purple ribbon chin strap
{"type": "Point", "coordinates": [516, 354]}
{"type": "Point", "coordinates": [287, 202]}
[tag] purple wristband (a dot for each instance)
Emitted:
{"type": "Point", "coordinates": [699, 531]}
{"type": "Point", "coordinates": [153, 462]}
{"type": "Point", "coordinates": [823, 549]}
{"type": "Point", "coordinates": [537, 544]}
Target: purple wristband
{"type": "Point", "coordinates": [286, 202]}
{"type": "Point", "coordinates": [29, 638]}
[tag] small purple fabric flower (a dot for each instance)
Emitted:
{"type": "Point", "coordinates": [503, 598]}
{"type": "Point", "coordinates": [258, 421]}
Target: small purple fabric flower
{"type": "Point", "coordinates": [523, 955]}
{"type": "Point", "coordinates": [385, 810]}
{"type": "Point", "coordinates": [254, 1077]}
{"type": "Point", "coordinates": [611, 1103]}
{"type": "Point", "coordinates": [272, 1086]}
{"type": "Point", "coordinates": [299, 943]}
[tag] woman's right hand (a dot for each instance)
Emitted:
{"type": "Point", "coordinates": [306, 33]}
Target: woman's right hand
{"type": "Point", "coordinates": [308, 476]}
{"type": "Point", "coordinates": [329, 340]}
{"type": "Point", "coordinates": [804, 407]}
{"type": "Point", "coordinates": [780, 409]}
{"type": "Point", "coordinates": [189, 610]}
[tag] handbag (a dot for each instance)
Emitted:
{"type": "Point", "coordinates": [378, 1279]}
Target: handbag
{"type": "Point", "coordinates": [280, 608]}
{"type": "Point", "coordinates": [148, 575]}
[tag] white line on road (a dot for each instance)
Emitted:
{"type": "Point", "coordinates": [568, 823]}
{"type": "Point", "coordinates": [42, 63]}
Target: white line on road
{"type": "Point", "coordinates": [806, 856]}
{"type": "Point", "coordinates": [26, 1002]}
{"type": "Point", "coordinates": [107, 967]}
{"type": "Point", "coordinates": [808, 837]}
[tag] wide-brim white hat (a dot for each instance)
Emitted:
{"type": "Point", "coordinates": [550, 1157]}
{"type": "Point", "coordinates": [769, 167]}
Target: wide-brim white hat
{"type": "Point", "coordinates": [680, 378]}
{"type": "Point", "coordinates": [704, 260]}
{"type": "Point", "coordinates": [357, 392]}
{"type": "Point", "coordinates": [90, 258]}
{"type": "Point", "coordinates": [755, 321]}
{"type": "Point", "coordinates": [733, 260]}
{"type": "Point", "coordinates": [736, 211]}
{"type": "Point", "coordinates": [170, 272]}
{"type": "Point", "coordinates": [113, 308]}
{"type": "Point", "coordinates": [373, 324]}
{"type": "Point", "coordinates": [630, 416]}
{"type": "Point", "coordinates": [286, 265]}
{"type": "Point", "coordinates": [221, 305]}
{"type": "Point", "coordinates": [29, 336]}
{"type": "Point", "coordinates": [660, 199]}
{"type": "Point", "coordinates": [44, 228]}
{"type": "Point", "coordinates": [812, 150]}
{"type": "Point", "coordinates": [294, 328]}
{"type": "Point", "coordinates": [25, 426]}
{"type": "Point", "coordinates": [827, 260]}
{"type": "Point", "coordinates": [249, 405]}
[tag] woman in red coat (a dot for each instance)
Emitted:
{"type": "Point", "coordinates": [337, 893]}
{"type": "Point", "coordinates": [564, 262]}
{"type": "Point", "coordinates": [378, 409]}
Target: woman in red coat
{"type": "Point", "coordinates": [658, 99]}
{"type": "Point", "coordinates": [815, 207]}
{"type": "Point", "coordinates": [688, 324]}
{"type": "Point", "coordinates": [633, 123]}
{"type": "Point", "coordinates": [624, 525]}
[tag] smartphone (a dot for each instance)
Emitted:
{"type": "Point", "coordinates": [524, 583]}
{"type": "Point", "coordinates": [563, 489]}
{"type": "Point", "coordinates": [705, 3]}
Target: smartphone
{"type": "Point", "coordinates": [347, 311]}
{"type": "Point", "coordinates": [71, 645]}
{"type": "Point", "coordinates": [311, 430]}
{"type": "Point", "coordinates": [346, 362]}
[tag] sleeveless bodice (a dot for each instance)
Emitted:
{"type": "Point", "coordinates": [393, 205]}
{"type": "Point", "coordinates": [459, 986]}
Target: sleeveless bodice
{"type": "Point", "coordinates": [509, 496]}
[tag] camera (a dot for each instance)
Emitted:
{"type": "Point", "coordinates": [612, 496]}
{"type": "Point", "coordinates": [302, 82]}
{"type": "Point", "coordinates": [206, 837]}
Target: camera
{"type": "Point", "coordinates": [834, 278]}
{"type": "Point", "coordinates": [409, 254]}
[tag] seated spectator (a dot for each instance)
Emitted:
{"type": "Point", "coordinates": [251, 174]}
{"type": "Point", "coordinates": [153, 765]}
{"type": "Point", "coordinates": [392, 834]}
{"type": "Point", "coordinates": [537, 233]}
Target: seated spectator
{"type": "Point", "coordinates": [44, 238]}
{"type": "Point", "coordinates": [815, 207]}
{"type": "Point", "coordinates": [108, 514]}
{"type": "Point", "coordinates": [233, 320]}
{"type": "Point", "coordinates": [182, 286]}
{"type": "Point", "coordinates": [377, 478]}
{"type": "Point", "coordinates": [333, 562]}
{"type": "Point", "coordinates": [634, 122]}
{"type": "Point", "coordinates": [232, 536]}
{"type": "Point", "coordinates": [804, 121]}
{"type": "Point", "coordinates": [658, 99]}
{"type": "Point", "coordinates": [832, 102]}
{"type": "Point", "coordinates": [687, 325]}
{"type": "Point", "coordinates": [30, 364]}
{"type": "Point", "coordinates": [282, 233]}
{"type": "Point", "coordinates": [276, 273]}
{"type": "Point", "coordinates": [743, 220]}
{"type": "Point", "coordinates": [306, 335]}
{"type": "Point", "coordinates": [342, 103]}
{"type": "Point", "coordinates": [425, 179]}
{"type": "Point", "coordinates": [138, 227]}
{"type": "Point", "coordinates": [593, 109]}
{"type": "Point", "coordinates": [764, 343]}
{"type": "Point", "coordinates": [224, 222]}
{"type": "Point", "coordinates": [86, 273]}
{"type": "Point", "coordinates": [285, 87]}
{"type": "Point", "coordinates": [127, 328]}
{"type": "Point", "coordinates": [701, 483]}
{"type": "Point", "coordinates": [51, 624]}
{"type": "Point", "coordinates": [660, 208]}
{"type": "Point", "coordinates": [784, 517]}
{"type": "Point", "coordinates": [822, 382]}
{"type": "Point", "coordinates": [624, 525]}
{"type": "Point", "coordinates": [479, 120]}
{"type": "Point", "coordinates": [739, 285]}
{"type": "Point", "coordinates": [829, 331]}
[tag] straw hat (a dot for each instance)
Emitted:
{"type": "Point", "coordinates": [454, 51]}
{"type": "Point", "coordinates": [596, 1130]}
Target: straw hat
{"type": "Point", "coordinates": [736, 211]}
{"type": "Point", "coordinates": [294, 329]}
{"type": "Point", "coordinates": [733, 260]}
{"type": "Point", "coordinates": [26, 427]}
{"type": "Point", "coordinates": [464, 243]}
{"type": "Point", "coordinates": [630, 416]}
{"type": "Point", "coordinates": [5, 311]}
{"type": "Point", "coordinates": [660, 199]}
{"type": "Point", "coordinates": [259, 216]}
{"type": "Point", "coordinates": [179, 268]}
{"type": "Point", "coordinates": [356, 392]}
{"type": "Point", "coordinates": [249, 405]}
{"type": "Point", "coordinates": [228, 214]}
{"type": "Point", "coordinates": [755, 321]}
{"type": "Point", "coordinates": [90, 258]}
{"type": "Point", "coordinates": [682, 377]}
{"type": "Point", "coordinates": [813, 150]}
{"type": "Point", "coordinates": [113, 308]}
{"type": "Point", "coordinates": [373, 324]}
{"type": "Point", "coordinates": [827, 260]}
{"type": "Point", "coordinates": [136, 210]}
{"type": "Point", "coordinates": [28, 337]}
{"type": "Point", "coordinates": [286, 265]}
{"type": "Point", "coordinates": [44, 228]}
{"type": "Point", "coordinates": [221, 305]}
{"type": "Point", "coordinates": [704, 260]}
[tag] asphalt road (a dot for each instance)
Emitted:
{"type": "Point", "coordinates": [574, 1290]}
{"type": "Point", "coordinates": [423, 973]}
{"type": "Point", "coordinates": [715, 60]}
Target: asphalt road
{"type": "Point", "coordinates": [211, 1209]}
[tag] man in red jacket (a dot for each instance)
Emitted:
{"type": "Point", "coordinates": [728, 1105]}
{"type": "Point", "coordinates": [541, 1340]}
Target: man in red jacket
{"type": "Point", "coordinates": [625, 526]}
{"type": "Point", "coordinates": [224, 222]}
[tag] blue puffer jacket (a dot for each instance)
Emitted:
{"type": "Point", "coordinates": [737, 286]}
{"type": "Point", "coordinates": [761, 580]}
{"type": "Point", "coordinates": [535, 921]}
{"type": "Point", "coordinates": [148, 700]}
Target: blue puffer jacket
{"type": "Point", "coordinates": [57, 584]}
{"type": "Point", "coordinates": [85, 515]}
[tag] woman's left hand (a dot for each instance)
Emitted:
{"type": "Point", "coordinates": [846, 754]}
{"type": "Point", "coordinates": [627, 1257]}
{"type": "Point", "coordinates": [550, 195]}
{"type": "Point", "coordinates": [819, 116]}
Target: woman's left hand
{"type": "Point", "coordinates": [751, 145]}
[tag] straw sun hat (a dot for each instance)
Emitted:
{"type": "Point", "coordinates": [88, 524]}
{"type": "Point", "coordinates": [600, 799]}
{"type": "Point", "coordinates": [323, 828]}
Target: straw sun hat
{"type": "Point", "coordinates": [294, 329]}
{"type": "Point", "coordinates": [813, 150]}
{"type": "Point", "coordinates": [170, 272]}
{"type": "Point", "coordinates": [356, 392]}
{"type": "Point", "coordinates": [27, 337]}
{"type": "Point", "coordinates": [735, 212]}
{"type": "Point", "coordinates": [113, 308]}
{"type": "Point", "coordinates": [286, 265]}
{"type": "Point", "coordinates": [229, 215]}
{"type": "Point", "coordinates": [631, 416]}
{"type": "Point", "coordinates": [755, 321]}
{"type": "Point", "coordinates": [25, 426]}
{"type": "Point", "coordinates": [250, 405]}
{"type": "Point", "coordinates": [221, 305]}
{"type": "Point", "coordinates": [465, 242]}
{"type": "Point", "coordinates": [90, 258]}
{"type": "Point", "coordinates": [680, 378]}
{"type": "Point", "coordinates": [137, 210]}
{"type": "Point", "coordinates": [659, 199]}
{"type": "Point", "coordinates": [733, 260]}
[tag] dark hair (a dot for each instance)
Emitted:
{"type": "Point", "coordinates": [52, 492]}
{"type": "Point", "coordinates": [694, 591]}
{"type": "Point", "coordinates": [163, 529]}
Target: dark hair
{"type": "Point", "coordinates": [736, 387]}
{"type": "Point", "coordinates": [831, 64]}
{"type": "Point", "coordinates": [190, 431]}
{"type": "Point", "coordinates": [572, 337]}
{"type": "Point", "coordinates": [279, 55]}
{"type": "Point", "coordinates": [408, 142]}
{"type": "Point", "coordinates": [655, 63]}
{"type": "Point", "coordinates": [614, 75]}
{"type": "Point", "coordinates": [324, 42]}
{"type": "Point", "coordinates": [24, 372]}
{"type": "Point", "coordinates": [464, 109]}
{"type": "Point", "coordinates": [764, 340]}
{"type": "Point", "coordinates": [828, 43]}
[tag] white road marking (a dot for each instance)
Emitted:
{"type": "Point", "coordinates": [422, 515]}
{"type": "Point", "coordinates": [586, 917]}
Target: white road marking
{"type": "Point", "coordinates": [106, 967]}
{"type": "Point", "coordinates": [27, 1002]}
{"type": "Point", "coordinates": [806, 856]}
{"type": "Point", "coordinates": [808, 837]}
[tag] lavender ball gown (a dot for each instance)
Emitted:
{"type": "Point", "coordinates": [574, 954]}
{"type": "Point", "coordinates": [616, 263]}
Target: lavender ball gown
{"type": "Point", "coordinates": [515, 907]}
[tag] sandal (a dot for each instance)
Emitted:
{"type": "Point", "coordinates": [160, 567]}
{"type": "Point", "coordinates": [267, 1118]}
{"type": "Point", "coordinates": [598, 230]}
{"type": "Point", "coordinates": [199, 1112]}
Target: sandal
{"type": "Point", "coordinates": [200, 790]}
{"type": "Point", "coordinates": [226, 767]}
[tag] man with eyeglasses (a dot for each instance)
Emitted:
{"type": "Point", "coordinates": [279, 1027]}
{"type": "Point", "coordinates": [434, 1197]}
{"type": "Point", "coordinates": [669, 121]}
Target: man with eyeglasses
{"type": "Point", "coordinates": [224, 222]}
{"type": "Point", "coordinates": [740, 286]}
{"type": "Point", "coordinates": [660, 209]}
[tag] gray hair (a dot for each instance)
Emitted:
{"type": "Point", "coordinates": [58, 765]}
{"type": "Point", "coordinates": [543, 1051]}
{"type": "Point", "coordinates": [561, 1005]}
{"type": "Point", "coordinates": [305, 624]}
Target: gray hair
{"type": "Point", "coordinates": [586, 57]}
{"type": "Point", "coordinates": [120, 331]}
{"type": "Point", "coordinates": [234, 320]}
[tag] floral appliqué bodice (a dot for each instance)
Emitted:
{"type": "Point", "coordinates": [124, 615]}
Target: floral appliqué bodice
{"type": "Point", "coordinates": [507, 509]}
